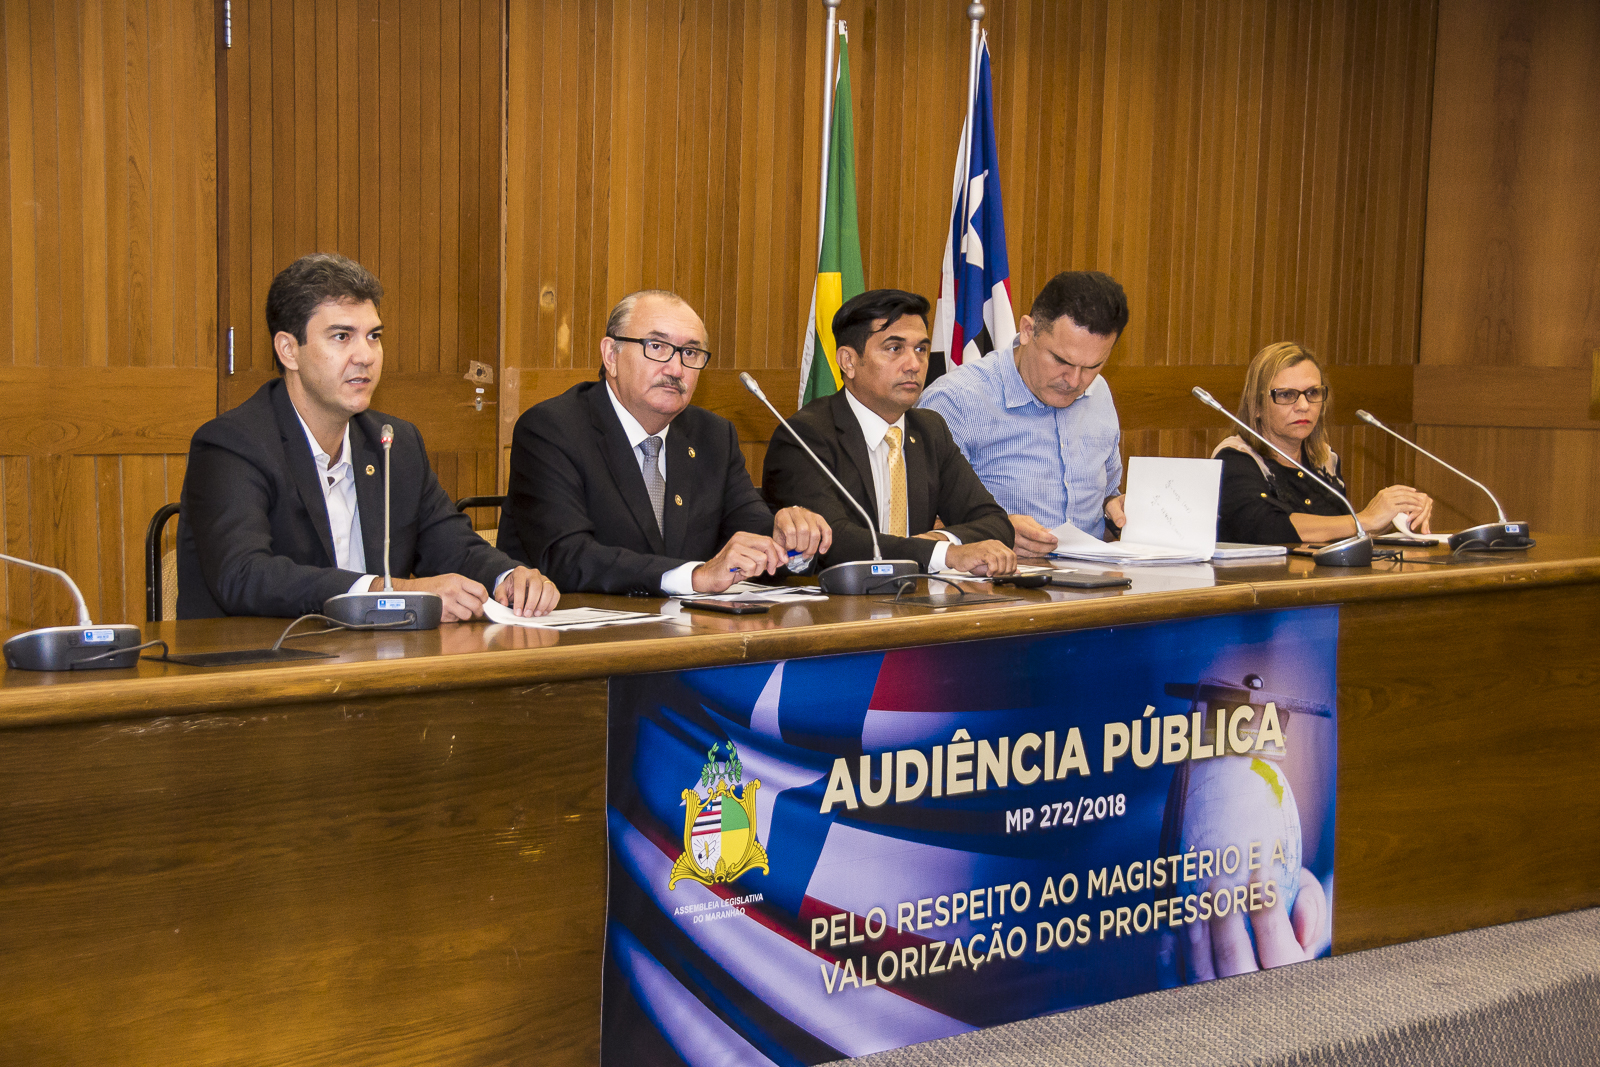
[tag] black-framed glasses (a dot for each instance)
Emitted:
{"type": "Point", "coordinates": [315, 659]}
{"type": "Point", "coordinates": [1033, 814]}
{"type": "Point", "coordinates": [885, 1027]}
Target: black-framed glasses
{"type": "Point", "coordinates": [1284, 397]}
{"type": "Point", "coordinates": [662, 351]}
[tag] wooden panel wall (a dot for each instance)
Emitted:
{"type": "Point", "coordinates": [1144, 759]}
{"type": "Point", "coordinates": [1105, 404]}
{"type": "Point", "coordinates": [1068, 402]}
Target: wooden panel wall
{"type": "Point", "coordinates": [107, 287]}
{"type": "Point", "coordinates": [1511, 290]}
{"type": "Point", "coordinates": [372, 128]}
{"type": "Point", "coordinates": [1249, 171]}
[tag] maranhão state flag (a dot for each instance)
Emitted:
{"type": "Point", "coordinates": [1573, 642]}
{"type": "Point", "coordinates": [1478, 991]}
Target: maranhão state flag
{"type": "Point", "coordinates": [839, 273]}
{"type": "Point", "coordinates": [974, 317]}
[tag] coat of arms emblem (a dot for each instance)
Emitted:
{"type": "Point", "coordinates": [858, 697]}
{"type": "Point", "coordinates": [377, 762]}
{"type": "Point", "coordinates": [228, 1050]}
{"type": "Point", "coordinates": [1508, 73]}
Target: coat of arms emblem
{"type": "Point", "coordinates": [719, 824]}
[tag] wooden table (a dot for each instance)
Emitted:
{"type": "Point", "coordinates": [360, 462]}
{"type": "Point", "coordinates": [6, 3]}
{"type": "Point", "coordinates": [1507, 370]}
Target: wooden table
{"type": "Point", "coordinates": [398, 855]}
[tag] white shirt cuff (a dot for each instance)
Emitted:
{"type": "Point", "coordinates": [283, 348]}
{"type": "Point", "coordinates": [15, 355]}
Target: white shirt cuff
{"type": "Point", "coordinates": [679, 581]}
{"type": "Point", "coordinates": [936, 561]}
{"type": "Point", "coordinates": [362, 584]}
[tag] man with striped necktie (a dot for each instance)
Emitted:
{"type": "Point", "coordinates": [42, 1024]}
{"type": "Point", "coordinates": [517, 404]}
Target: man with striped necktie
{"type": "Point", "coordinates": [899, 461]}
{"type": "Point", "coordinates": [621, 485]}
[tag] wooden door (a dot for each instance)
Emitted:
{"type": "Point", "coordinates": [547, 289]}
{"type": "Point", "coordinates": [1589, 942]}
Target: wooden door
{"type": "Point", "coordinates": [372, 128]}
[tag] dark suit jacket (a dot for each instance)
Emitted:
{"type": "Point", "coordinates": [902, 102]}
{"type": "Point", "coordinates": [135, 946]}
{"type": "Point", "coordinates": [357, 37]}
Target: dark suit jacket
{"type": "Point", "coordinates": [253, 535]}
{"type": "Point", "coordinates": [578, 509]}
{"type": "Point", "coordinates": [940, 483]}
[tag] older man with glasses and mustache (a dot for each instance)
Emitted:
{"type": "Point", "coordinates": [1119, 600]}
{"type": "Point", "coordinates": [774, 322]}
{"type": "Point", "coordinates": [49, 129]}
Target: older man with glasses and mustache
{"type": "Point", "coordinates": [621, 485]}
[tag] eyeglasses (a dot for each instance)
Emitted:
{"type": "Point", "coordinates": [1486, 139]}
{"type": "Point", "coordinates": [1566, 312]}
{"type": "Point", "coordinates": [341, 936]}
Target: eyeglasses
{"type": "Point", "coordinates": [662, 351]}
{"type": "Point", "coordinates": [1284, 397]}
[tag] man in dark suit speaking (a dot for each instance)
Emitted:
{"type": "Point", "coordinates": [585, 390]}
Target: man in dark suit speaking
{"type": "Point", "coordinates": [898, 460]}
{"type": "Point", "coordinates": [622, 486]}
{"type": "Point", "coordinates": [283, 497]}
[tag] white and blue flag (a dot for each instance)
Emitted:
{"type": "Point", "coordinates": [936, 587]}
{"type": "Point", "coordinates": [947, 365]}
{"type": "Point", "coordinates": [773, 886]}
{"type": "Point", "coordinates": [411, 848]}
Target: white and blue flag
{"type": "Point", "coordinates": [974, 314]}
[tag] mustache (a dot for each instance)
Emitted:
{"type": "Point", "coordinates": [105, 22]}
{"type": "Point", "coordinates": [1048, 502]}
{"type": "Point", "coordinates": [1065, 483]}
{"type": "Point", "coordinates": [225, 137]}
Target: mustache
{"type": "Point", "coordinates": [669, 382]}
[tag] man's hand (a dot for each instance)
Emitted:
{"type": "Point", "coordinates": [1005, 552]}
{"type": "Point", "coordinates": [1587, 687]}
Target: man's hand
{"type": "Point", "coordinates": [983, 558]}
{"type": "Point", "coordinates": [1032, 538]}
{"type": "Point", "coordinates": [1115, 513]}
{"type": "Point", "coordinates": [802, 532]}
{"type": "Point", "coordinates": [463, 598]}
{"type": "Point", "coordinates": [744, 556]}
{"type": "Point", "coordinates": [527, 592]}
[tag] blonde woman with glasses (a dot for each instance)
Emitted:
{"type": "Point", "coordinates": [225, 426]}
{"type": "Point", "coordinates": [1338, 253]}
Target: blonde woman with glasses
{"type": "Point", "coordinates": [1264, 500]}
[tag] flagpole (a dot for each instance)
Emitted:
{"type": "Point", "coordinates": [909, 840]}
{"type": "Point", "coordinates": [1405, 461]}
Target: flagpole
{"type": "Point", "coordinates": [827, 111]}
{"type": "Point", "coordinates": [975, 13]}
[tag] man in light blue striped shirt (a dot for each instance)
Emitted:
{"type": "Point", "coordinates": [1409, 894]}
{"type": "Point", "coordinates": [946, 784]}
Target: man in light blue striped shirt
{"type": "Point", "coordinates": [1037, 422]}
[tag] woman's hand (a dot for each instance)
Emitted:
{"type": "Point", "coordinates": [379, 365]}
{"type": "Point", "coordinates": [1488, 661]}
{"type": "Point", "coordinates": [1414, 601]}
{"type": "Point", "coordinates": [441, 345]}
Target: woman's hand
{"type": "Point", "coordinates": [1395, 500]}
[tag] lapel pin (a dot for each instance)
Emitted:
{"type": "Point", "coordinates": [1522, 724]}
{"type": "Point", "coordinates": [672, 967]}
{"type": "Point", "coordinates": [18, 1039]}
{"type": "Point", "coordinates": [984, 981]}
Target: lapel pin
{"type": "Point", "coordinates": [371, 469]}
{"type": "Point", "coordinates": [913, 440]}
{"type": "Point", "coordinates": [691, 451]}
{"type": "Point", "coordinates": [678, 500]}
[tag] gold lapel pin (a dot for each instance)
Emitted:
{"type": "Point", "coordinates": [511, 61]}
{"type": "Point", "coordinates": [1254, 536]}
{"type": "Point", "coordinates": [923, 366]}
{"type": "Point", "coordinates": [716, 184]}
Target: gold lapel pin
{"type": "Point", "coordinates": [691, 451]}
{"type": "Point", "coordinates": [678, 500]}
{"type": "Point", "coordinates": [371, 469]}
{"type": "Point", "coordinates": [913, 440]}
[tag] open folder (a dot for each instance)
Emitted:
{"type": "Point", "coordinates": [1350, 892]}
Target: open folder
{"type": "Point", "coordinates": [1172, 517]}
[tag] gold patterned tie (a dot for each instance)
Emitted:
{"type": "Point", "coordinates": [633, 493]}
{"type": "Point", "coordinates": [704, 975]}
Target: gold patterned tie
{"type": "Point", "coordinates": [897, 485]}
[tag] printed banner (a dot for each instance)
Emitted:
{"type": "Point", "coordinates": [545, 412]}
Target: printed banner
{"type": "Point", "coordinates": [829, 857]}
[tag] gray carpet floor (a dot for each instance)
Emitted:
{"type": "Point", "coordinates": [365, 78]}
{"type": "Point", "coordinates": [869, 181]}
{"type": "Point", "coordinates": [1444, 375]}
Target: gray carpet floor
{"type": "Point", "coordinates": [1526, 993]}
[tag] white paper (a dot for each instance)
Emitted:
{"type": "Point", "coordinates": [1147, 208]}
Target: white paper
{"type": "Point", "coordinates": [1233, 550]}
{"type": "Point", "coordinates": [1402, 522]}
{"type": "Point", "coordinates": [1172, 515]}
{"type": "Point", "coordinates": [565, 618]}
{"type": "Point", "coordinates": [1173, 503]}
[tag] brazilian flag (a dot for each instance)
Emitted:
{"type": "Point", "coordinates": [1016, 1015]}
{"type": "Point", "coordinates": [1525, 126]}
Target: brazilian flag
{"type": "Point", "coordinates": [839, 273]}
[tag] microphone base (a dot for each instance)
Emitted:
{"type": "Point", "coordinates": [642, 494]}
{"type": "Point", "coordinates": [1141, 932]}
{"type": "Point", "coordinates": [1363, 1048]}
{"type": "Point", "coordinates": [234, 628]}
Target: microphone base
{"type": "Point", "coordinates": [366, 609]}
{"type": "Point", "coordinates": [1351, 552]}
{"type": "Point", "coordinates": [861, 577]}
{"type": "Point", "coordinates": [65, 648]}
{"type": "Point", "coordinates": [1493, 536]}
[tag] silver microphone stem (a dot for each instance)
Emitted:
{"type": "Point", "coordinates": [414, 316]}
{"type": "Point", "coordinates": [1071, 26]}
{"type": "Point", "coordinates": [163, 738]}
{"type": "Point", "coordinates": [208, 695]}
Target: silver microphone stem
{"type": "Point", "coordinates": [1368, 418]}
{"type": "Point", "coordinates": [1348, 552]}
{"type": "Point", "coordinates": [750, 384]}
{"type": "Point", "coordinates": [387, 436]}
{"type": "Point", "coordinates": [77, 597]}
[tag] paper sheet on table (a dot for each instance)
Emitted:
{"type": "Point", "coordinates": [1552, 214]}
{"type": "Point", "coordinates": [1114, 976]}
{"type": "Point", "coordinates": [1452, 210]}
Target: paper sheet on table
{"type": "Point", "coordinates": [567, 618]}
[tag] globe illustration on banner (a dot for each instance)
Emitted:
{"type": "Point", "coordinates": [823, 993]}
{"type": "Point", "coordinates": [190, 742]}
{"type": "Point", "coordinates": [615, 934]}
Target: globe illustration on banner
{"type": "Point", "coordinates": [1237, 800]}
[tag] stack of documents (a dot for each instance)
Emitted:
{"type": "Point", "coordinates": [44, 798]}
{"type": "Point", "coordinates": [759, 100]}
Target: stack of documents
{"type": "Point", "coordinates": [1172, 515]}
{"type": "Point", "coordinates": [1075, 544]}
{"type": "Point", "coordinates": [1231, 550]}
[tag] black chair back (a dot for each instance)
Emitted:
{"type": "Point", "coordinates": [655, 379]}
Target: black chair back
{"type": "Point", "coordinates": [152, 561]}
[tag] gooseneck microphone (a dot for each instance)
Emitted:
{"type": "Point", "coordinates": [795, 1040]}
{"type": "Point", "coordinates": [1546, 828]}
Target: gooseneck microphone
{"type": "Point", "coordinates": [1352, 551]}
{"type": "Point", "coordinates": [65, 648]}
{"type": "Point", "coordinates": [1496, 535]}
{"type": "Point", "coordinates": [858, 576]}
{"type": "Point", "coordinates": [416, 610]}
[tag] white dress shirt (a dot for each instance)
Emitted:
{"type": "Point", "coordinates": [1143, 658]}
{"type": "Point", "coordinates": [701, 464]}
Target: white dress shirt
{"type": "Point", "coordinates": [338, 483]}
{"type": "Point", "coordinates": [875, 430]}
